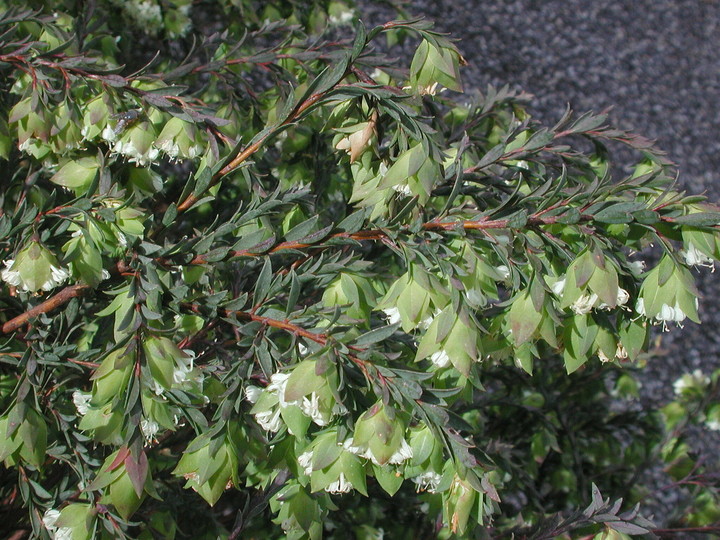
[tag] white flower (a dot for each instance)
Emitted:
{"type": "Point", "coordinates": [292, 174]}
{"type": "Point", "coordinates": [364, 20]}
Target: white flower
{"type": "Point", "coordinates": [503, 270]}
{"type": "Point", "coordinates": [109, 134]}
{"type": "Point", "coordinates": [558, 287]}
{"type": "Point", "coordinates": [311, 407]}
{"type": "Point", "coordinates": [403, 189]}
{"type": "Point", "coordinates": [427, 481]}
{"type": "Point", "coordinates": [302, 349]}
{"type": "Point", "coordinates": [171, 148]}
{"type": "Point", "coordinates": [49, 518]}
{"type": "Point", "coordinates": [341, 485]}
{"type": "Point", "coordinates": [252, 393]}
{"type": "Point", "coordinates": [183, 366]}
{"type": "Point", "coordinates": [157, 388]}
{"type": "Point", "coordinates": [696, 378]}
{"type": "Point", "coordinates": [671, 313]}
{"type": "Point", "coordinates": [393, 314]}
{"type": "Point", "coordinates": [403, 453]}
{"type": "Point", "coordinates": [602, 356]}
{"type": "Point", "coordinates": [305, 461]}
{"type": "Point", "coordinates": [81, 401]}
{"type": "Point", "coordinates": [695, 257]}
{"type": "Point", "coordinates": [14, 277]}
{"type": "Point", "coordinates": [149, 429]}
{"type": "Point", "coordinates": [343, 18]}
{"type": "Point", "coordinates": [440, 358]}
{"type": "Point", "coordinates": [129, 150]}
{"type": "Point", "coordinates": [57, 277]}
{"type": "Point", "coordinates": [269, 420]}
{"type": "Point", "coordinates": [63, 533]}
{"type": "Point", "coordinates": [278, 382]}
{"type": "Point", "coordinates": [621, 351]}
{"type": "Point", "coordinates": [584, 304]}
{"type": "Point", "coordinates": [637, 266]}
{"type": "Point", "coordinates": [622, 298]}
{"type": "Point", "coordinates": [11, 276]}
{"type": "Point", "coordinates": [340, 409]}
{"type": "Point", "coordinates": [714, 425]}
{"type": "Point", "coordinates": [430, 89]}
{"type": "Point", "coordinates": [426, 322]}
{"type": "Point", "coordinates": [640, 306]}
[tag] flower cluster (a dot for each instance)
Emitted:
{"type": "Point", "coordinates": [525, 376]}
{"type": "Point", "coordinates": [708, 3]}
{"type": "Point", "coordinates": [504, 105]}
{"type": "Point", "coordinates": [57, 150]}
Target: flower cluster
{"type": "Point", "coordinates": [34, 268]}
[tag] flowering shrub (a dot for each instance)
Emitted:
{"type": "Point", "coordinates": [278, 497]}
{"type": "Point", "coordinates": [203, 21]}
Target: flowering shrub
{"type": "Point", "coordinates": [268, 281]}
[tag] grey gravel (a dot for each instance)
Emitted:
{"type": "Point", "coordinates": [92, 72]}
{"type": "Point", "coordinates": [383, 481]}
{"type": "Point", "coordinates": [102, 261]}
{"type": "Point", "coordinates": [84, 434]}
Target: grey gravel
{"type": "Point", "coordinates": [657, 63]}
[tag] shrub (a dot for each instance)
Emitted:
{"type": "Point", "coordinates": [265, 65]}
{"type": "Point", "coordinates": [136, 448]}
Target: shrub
{"type": "Point", "coordinates": [271, 269]}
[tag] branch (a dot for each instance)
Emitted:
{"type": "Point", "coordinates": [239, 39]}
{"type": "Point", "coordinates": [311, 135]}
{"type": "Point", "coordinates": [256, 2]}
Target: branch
{"type": "Point", "coordinates": [61, 298]}
{"type": "Point", "coordinates": [250, 150]}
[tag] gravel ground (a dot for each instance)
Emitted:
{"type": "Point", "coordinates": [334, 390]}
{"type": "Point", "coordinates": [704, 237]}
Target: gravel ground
{"type": "Point", "coordinates": [656, 62]}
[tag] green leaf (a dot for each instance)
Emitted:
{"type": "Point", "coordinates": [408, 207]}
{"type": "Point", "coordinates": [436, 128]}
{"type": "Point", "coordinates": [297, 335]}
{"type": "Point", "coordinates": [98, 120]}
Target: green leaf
{"type": "Point", "coordinates": [388, 478]}
{"type": "Point", "coordinates": [376, 335]}
{"type": "Point", "coordinates": [523, 318]}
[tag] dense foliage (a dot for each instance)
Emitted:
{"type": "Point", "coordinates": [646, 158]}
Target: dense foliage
{"type": "Point", "coordinates": [270, 281]}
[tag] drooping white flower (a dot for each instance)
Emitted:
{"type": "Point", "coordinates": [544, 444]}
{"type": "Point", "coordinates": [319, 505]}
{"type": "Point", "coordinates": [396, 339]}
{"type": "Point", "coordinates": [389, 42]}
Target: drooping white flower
{"type": "Point", "coordinates": [252, 393]}
{"type": "Point", "coordinates": [58, 276]}
{"type": "Point", "coordinates": [9, 275]}
{"type": "Point", "coordinates": [278, 382]}
{"type": "Point", "coordinates": [34, 268]}
{"type": "Point", "coordinates": [81, 400]}
{"type": "Point", "coordinates": [149, 429]}
{"type": "Point", "coordinates": [183, 366]}
{"type": "Point", "coordinates": [305, 461]}
{"type": "Point", "coordinates": [695, 257]}
{"type": "Point", "coordinates": [503, 270]}
{"type": "Point", "coordinates": [558, 287]}
{"type": "Point", "coordinates": [697, 378]}
{"type": "Point", "coordinates": [637, 267]}
{"type": "Point", "coordinates": [49, 519]}
{"type": "Point", "coordinates": [430, 89]}
{"type": "Point", "coordinates": [269, 420]}
{"type": "Point", "coordinates": [622, 298]}
{"type": "Point", "coordinates": [440, 358]}
{"type": "Point", "coordinates": [584, 304]}
{"type": "Point", "coordinates": [341, 485]}
{"type": "Point", "coordinates": [427, 481]}
{"type": "Point", "coordinates": [393, 315]}
{"type": "Point", "coordinates": [403, 453]}
{"type": "Point", "coordinates": [340, 19]}
{"type": "Point", "coordinates": [109, 134]}
{"type": "Point", "coordinates": [311, 407]}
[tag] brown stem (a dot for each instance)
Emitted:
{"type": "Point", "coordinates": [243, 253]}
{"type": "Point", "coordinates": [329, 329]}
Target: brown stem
{"type": "Point", "coordinates": [249, 151]}
{"type": "Point", "coordinates": [54, 302]}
